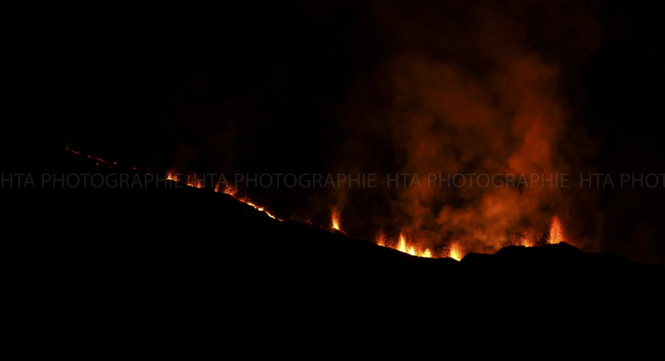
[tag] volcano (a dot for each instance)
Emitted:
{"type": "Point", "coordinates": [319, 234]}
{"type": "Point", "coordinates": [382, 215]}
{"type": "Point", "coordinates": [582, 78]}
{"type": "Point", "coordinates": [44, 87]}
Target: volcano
{"type": "Point", "coordinates": [161, 262]}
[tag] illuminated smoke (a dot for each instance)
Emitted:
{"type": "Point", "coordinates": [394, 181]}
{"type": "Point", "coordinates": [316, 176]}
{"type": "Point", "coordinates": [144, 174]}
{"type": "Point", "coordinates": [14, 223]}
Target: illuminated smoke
{"type": "Point", "coordinates": [470, 87]}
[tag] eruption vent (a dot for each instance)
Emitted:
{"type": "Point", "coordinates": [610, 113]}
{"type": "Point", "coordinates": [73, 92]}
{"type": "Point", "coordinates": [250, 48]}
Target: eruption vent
{"type": "Point", "coordinates": [556, 232]}
{"type": "Point", "coordinates": [335, 220]}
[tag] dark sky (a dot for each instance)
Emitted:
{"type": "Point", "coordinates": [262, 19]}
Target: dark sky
{"type": "Point", "coordinates": [271, 86]}
{"type": "Point", "coordinates": [163, 79]}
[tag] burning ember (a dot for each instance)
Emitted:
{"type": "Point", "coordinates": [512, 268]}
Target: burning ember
{"type": "Point", "coordinates": [98, 160]}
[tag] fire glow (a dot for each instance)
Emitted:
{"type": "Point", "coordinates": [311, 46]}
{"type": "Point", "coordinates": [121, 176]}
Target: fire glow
{"type": "Point", "coordinates": [190, 180]}
{"type": "Point", "coordinates": [335, 220]}
{"type": "Point", "coordinates": [556, 232]}
{"type": "Point", "coordinates": [455, 250]}
{"type": "Point", "coordinates": [404, 243]}
{"type": "Point", "coordinates": [233, 191]}
{"type": "Point", "coordinates": [526, 239]}
{"type": "Point", "coordinates": [98, 161]}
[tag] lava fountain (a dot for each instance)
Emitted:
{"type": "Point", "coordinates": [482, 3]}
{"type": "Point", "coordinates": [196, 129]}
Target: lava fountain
{"type": "Point", "coordinates": [556, 234]}
{"type": "Point", "coordinates": [335, 220]}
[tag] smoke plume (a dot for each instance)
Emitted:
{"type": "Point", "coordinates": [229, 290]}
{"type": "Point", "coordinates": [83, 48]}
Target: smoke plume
{"type": "Point", "coordinates": [470, 88]}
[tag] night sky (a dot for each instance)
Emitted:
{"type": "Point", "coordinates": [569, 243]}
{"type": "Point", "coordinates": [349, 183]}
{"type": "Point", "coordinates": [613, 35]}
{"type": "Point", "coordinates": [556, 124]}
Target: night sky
{"type": "Point", "coordinates": [323, 86]}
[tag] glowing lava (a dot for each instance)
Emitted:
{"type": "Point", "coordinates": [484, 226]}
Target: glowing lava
{"type": "Point", "coordinates": [556, 232]}
{"type": "Point", "coordinates": [98, 160]}
{"type": "Point", "coordinates": [335, 220]}
{"type": "Point", "coordinates": [190, 180]}
{"type": "Point", "coordinates": [172, 176]}
{"type": "Point", "coordinates": [229, 190]}
{"type": "Point", "coordinates": [455, 251]}
{"type": "Point", "coordinates": [381, 240]}
{"type": "Point", "coordinates": [194, 182]}
{"type": "Point", "coordinates": [403, 247]}
{"type": "Point", "coordinates": [404, 243]}
{"type": "Point", "coordinates": [527, 239]}
{"type": "Point", "coordinates": [412, 251]}
{"type": "Point", "coordinates": [232, 191]}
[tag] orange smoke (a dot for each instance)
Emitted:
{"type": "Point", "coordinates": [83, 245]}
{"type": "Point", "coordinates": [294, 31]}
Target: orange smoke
{"type": "Point", "coordinates": [487, 103]}
{"type": "Point", "coordinates": [381, 240]}
{"type": "Point", "coordinates": [528, 239]}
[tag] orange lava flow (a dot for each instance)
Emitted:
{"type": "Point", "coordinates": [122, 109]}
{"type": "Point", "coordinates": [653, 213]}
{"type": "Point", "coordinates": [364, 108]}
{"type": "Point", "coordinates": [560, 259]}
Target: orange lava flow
{"type": "Point", "coordinates": [71, 150]}
{"type": "Point", "coordinates": [232, 191]}
{"type": "Point", "coordinates": [97, 160]}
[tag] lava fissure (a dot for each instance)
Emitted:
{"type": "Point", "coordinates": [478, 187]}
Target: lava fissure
{"type": "Point", "coordinates": [405, 243]}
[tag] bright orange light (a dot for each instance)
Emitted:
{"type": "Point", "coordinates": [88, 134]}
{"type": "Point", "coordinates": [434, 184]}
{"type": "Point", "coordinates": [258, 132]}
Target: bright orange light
{"type": "Point", "coordinates": [404, 246]}
{"type": "Point", "coordinates": [455, 251]}
{"type": "Point", "coordinates": [527, 239]}
{"type": "Point", "coordinates": [556, 232]}
{"type": "Point", "coordinates": [172, 175]}
{"type": "Point", "coordinates": [412, 251]}
{"type": "Point", "coordinates": [335, 220]}
{"type": "Point", "coordinates": [401, 246]}
{"type": "Point", "coordinates": [381, 240]}
{"type": "Point", "coordinates": [230, 190]}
